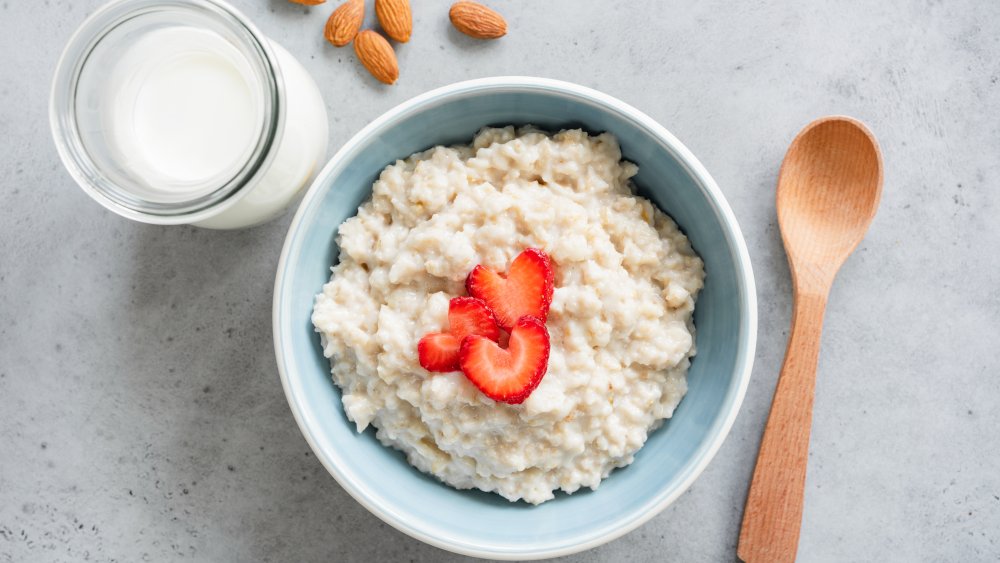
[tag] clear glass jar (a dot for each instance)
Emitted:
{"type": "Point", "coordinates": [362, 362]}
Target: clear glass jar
{"type": "Point", "coordinates": [181, 112]}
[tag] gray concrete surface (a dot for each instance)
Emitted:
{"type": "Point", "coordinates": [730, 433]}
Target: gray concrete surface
{"type": "Point", "coordinates": [141, 417]}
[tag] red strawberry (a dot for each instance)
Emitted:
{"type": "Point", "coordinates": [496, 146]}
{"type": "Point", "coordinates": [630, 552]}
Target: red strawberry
{"type": "Point", "coordinates": [526, 290]}
{"type": "Point", "coordinates": [508, 375]}
{"type": "Point", "coordinates": [466, 316]}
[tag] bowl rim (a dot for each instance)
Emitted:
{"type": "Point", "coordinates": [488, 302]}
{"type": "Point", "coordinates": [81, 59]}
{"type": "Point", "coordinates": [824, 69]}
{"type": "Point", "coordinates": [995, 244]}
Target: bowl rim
{"type": "Point", "coordinates": [745, 279]}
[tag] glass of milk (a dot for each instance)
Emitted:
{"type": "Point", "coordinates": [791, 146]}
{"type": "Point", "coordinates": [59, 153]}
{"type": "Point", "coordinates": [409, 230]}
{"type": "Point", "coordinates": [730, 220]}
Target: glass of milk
{"type": "Point", "coordinates": [181, 112]}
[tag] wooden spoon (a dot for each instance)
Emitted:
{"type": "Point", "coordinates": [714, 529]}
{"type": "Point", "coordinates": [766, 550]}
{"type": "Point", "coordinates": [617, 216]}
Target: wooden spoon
{"type": "Point", "coordinates": [828, 190]}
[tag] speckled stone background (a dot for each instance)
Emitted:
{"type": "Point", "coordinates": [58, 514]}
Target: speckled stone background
{"type": "Point", "coordinates": [141, 417]}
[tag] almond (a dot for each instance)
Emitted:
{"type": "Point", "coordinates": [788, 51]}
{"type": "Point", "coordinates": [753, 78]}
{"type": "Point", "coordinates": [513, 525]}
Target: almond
{"type": "Point", "coordinates": [476, 20]}
{"type": "Point", "coordinates": [345, 22]}
{"type": "Point", "coordinates": [396, 18]}
{"type": "Point", "coordinates": [308, 2]}
{"type": "Point", "coordinates": [377, 55]}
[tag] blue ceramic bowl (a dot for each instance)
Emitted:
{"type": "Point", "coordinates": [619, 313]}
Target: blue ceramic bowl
{"type": "Point", "coordinates": [474, 522]}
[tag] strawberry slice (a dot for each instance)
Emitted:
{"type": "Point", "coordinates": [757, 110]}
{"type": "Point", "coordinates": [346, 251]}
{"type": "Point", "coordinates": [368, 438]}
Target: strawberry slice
{"type": "Point", "coordinates": [439, 352]}
{"type": "Point", "coordinates": [508, 375]}
{"type": "Point", "coordinates": [466, 316]}
{"type": "Point", "coordinates": [525, 291]}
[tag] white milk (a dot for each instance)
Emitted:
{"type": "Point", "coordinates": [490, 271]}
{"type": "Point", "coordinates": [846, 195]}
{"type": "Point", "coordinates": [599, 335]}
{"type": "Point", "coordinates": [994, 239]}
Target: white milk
{"type": "Point", "coordinates": [174, 112]}
{"type": "Point", "coordinates": [184, 111]}
{"type": "Point", "coordinates": [299, 154]}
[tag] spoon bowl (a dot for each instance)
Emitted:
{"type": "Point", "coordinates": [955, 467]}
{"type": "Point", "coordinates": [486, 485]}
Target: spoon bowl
{"type": "Point", "coordinates": [828, 190]}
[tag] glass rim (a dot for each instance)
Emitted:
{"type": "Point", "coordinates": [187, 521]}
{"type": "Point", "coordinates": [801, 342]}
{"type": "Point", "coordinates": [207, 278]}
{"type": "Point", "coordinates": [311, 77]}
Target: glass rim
{"type": "Point", "coordinates": [117, 196]}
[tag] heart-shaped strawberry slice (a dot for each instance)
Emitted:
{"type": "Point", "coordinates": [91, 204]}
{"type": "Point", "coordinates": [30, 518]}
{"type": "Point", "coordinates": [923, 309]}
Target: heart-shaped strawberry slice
{"type": "Point", "coordinates": [508, 375]}
{"type": "Point", "coordinates": [466, 316]}
{"type": "Point", "coordinates": [525, 291]}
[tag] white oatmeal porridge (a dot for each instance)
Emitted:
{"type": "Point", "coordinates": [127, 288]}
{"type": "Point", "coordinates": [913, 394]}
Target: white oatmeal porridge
{"type": "Point", "coordinates": [620, 322]}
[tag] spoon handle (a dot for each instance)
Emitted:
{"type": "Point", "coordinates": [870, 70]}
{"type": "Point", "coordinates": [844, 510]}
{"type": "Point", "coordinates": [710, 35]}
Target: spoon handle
{"type": "Point", "coordinates": [773, 513]}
